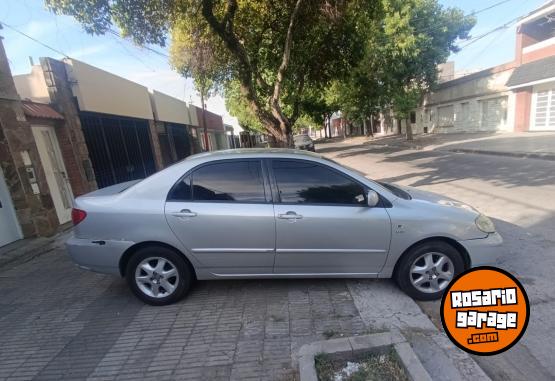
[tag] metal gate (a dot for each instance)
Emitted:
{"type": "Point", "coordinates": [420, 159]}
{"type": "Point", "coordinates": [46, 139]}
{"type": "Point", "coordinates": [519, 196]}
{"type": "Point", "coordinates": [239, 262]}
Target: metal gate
{"type": "Point", "coordinates": [119, 148]}
{"type": "Point", "coordinates": [180, 137]}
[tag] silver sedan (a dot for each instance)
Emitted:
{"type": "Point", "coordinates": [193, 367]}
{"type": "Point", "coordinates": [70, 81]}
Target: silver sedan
{"type": "Point", "coordinates": [274, 214]}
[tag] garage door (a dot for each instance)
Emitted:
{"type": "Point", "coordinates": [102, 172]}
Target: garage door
{"type": "Point", "coordinates": [494, 113]}
{"type": "Point", "coordinates": [119, 148]}
{"type": "Point", "coordinates": [543, 114]}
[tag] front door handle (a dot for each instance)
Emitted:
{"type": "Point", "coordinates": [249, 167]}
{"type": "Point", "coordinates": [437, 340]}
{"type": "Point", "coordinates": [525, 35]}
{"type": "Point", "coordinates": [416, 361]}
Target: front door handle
{"type": "Point", "coordinates": [184, 213]}
{"type": "Point", "coordinates": [290, 216]}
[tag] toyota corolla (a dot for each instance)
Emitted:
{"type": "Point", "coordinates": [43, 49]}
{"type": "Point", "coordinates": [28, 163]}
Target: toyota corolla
{"type": "Point", "coordinates": [274, 214]}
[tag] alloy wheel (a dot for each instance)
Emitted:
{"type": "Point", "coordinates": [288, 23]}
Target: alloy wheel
{"type": "Point", "coordinates": [431, 272]}
{"type": "Point", "coordinates": [157, 277]}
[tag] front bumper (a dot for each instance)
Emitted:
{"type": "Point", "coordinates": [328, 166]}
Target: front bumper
{"type": "Point", "coordinates": [484, 251]}
{"type": "Point", "coordinates": [97, 255]}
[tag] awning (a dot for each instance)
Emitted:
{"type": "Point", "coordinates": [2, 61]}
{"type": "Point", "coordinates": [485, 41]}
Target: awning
{"type": "Point", "coordinates": [533, 73]}
{"type": "Point", "coordinates": [40, 110]}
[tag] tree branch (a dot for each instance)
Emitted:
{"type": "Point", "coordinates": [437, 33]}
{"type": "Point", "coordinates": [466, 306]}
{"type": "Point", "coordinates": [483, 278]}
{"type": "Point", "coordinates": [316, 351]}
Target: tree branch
{"type": "Point", "coordinates": [276, 108]}
{"type": "Point", "coordinates": [225, 31]}
{"type": "Point", "coordinates": [296, 106]}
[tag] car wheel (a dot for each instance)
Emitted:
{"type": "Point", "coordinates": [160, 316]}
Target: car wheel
{"type": "Point", "coordinates": [158, 275]}
{"type": "Point", "coordinates": [426, 270]}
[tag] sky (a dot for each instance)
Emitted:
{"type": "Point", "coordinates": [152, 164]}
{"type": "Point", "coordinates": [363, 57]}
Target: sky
{"type": "Point", "coordinates": [123, 58]}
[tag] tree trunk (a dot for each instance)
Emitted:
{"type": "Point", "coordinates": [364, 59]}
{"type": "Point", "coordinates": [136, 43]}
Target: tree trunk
{"type": "Point", "coordinates": [399, 129]}
{"type": "Point", "coordinates": [409, 129]}
{"type": "Point", "coordinates": [372, 125]}
{"type": "Point", "coordinates": [364, 128]}
{"type": "Point", "coordinates": [344, 128]}
{"type": "Point", "coordinates": [281, 134]}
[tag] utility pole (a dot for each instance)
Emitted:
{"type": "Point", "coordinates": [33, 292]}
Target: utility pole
{"type": "Point", "coordinates": [206, 142]}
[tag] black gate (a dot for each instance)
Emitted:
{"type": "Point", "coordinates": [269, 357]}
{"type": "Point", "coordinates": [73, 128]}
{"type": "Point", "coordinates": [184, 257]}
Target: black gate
{"type": "Point", "coordinates": [180, 137]}
{"type": "Point", "coordinates": [119, 148]}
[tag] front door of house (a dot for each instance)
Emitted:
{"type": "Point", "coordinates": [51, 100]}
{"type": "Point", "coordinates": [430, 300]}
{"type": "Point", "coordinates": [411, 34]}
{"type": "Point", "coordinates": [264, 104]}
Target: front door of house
{"type": "Point", "coordinates": [9, 228]}
{"type": "Point", "coordinates": [55, 171]}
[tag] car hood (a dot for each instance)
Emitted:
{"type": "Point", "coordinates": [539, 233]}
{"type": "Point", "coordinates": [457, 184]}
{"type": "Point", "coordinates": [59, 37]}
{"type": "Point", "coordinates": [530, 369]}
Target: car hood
{"type": "Point", "coordinates": [434, 198]}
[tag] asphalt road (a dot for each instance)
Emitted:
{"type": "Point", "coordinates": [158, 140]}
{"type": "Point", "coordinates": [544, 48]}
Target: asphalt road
{"type": "Point", "coordinates": [519, 195]}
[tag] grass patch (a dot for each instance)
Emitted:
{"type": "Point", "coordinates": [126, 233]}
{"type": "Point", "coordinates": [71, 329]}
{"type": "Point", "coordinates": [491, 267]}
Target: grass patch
{"type": "Point", "coordinates": [370, 367]}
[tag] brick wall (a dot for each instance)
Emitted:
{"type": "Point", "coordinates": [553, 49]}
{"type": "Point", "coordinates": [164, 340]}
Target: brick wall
{"type": "Point", "coordinates": [69, 133]}
{"type": "Point", "coordinates": [523, 105]}
{"type": "Point", "coordinates": [213, 121]}
{"type": "Point", "coordinates": [538, 54]}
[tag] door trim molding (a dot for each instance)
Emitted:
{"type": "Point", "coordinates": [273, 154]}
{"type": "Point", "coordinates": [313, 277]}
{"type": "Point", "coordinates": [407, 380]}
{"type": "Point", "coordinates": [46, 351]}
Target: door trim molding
{"type": "Point", "coordinates": [316, 251]}
{"type": "Point", "coordinates": [231, 250]}
{"type": "Point", "coordinates": [299, 275]}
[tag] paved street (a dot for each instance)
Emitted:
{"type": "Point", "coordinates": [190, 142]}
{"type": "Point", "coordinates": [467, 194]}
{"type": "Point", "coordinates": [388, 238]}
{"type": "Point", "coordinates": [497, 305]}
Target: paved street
{"type": "Point", "coordinates": [58, 322]}
{"type": "Point", "coordinates": [519, 194]}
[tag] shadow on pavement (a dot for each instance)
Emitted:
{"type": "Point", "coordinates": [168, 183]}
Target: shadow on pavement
{"type": "Point", "coordinates": [443, 168]}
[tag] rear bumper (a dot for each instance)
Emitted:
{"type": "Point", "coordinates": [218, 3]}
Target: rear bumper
{"type": "Point", "coordinates": [99, 256]}
{"type": "Point", "coordinates": [308, 147]}
{"type": "Point", "coordinates": [484, 251]}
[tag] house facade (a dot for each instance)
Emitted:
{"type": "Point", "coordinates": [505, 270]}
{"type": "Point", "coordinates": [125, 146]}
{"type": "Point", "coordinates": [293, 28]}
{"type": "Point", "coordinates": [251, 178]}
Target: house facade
{"type": "Point", "coordinates": [533, 81]}
{"type": "Point", "coordinates": [517, 96]}
{"type": "Point", "coordinates": [68, 128]}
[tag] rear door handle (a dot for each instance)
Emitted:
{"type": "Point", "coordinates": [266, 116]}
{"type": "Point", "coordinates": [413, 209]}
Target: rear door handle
{"type": "Point", "coordinates": [184, 213]}
{"type": "Point", "coordinates": [290, 216]}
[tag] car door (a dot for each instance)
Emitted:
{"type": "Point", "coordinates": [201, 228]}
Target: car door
{"type": "Point", "coordinates": [323, 222]}
{"type": "Point", "coordinates": [222, 212]}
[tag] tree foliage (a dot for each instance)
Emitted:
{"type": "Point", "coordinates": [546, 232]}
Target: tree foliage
{"type": "Point", "coordinates": [402, 50]}
{"type": "Point", "coordinates": [272, 50]}
{"type": "Point", "coordinates": [275, 59]}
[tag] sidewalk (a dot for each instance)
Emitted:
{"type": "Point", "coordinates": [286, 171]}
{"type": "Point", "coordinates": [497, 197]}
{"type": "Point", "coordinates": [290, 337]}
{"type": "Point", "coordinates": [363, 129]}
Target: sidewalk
{"type": "Point", "coordinates": [537, 145]}
{"type": "Point", "coordinates": [24, 250]}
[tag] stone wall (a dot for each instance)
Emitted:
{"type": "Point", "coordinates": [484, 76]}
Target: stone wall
{"type": "Point", "coordinates": [35, 212]}
{"type": "Point", "coordinates": [70, 135]}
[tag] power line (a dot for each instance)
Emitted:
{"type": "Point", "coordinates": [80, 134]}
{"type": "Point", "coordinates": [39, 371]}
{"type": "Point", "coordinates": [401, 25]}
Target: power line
{"type": "Point", "coordinates": [504, 26]}
{"type": "Point", "coordinates": [116, 33]}
{"type": "Point", "coordinates": [34, 39]}
{"type": "Point", "coordinates": [488, 8]}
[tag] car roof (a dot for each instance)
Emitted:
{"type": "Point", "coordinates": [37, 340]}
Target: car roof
{"type": "Point", "coordinates": [254, 152]}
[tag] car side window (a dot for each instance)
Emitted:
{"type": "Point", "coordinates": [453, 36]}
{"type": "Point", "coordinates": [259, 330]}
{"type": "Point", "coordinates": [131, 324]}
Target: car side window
{"type": "Point", "coordinates": [231, 181]}
{"type": "Point", "coordinates": [305, 182]}
{"type": "Point", "coordinates": [181, 191]}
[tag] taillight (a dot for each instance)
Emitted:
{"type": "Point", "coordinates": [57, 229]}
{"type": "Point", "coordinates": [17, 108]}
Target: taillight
{"type": "Point", "coordinates": [77, 215]}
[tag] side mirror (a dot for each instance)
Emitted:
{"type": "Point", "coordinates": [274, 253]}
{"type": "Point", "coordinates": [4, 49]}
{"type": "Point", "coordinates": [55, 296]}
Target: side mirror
{"type": "Point", "coordinates": [373, 198]}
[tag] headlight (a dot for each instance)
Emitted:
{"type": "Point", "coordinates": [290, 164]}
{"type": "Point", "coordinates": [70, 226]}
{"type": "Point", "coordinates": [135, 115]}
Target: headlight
{"type": "Point", "coordinates": [485, 224]}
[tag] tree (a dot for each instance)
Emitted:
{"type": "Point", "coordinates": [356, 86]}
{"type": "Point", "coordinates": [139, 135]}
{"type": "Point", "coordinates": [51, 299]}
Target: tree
{"type": "Point", "coordinates": [402, 49]}
{"type": "Point", "coordinates": [274, 50]}
{"type": "Point", "coordinates": [238, 107]}
{"type": "Point", "coordinates": [423, 35]}
{"type": "Point", "coordinates": [200, 62]}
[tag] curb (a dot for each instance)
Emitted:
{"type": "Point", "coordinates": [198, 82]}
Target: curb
{"type": "Point", "coordinates": [357, 345]}
{"type": "Point", "coordinates": [523, 155]}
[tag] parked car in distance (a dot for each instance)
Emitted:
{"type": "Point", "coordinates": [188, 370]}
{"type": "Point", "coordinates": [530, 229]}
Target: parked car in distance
{"type": "Point", "coordinates": [303, 142]}
{"type": "Point", "coordinates": [268, 213]}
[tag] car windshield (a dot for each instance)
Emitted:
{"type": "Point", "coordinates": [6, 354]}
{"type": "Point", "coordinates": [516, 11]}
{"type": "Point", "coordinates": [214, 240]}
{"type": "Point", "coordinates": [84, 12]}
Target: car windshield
{"type": "Point", "coordinates": [396, 190]}
{"type": "Point", "coordinates": [392, 188]}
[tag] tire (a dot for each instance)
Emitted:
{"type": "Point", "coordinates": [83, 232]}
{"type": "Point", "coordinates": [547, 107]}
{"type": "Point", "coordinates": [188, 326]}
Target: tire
{"type": "Point", "coordinates": [408, 278]}
{"type": "Point", "coordinates": [157, 274]}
